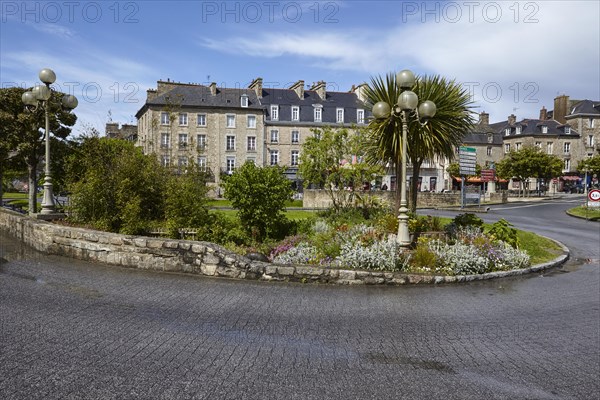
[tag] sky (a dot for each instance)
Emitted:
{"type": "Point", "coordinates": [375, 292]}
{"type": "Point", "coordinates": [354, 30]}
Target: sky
{"type": "Point", "coordinates": [513, 57]}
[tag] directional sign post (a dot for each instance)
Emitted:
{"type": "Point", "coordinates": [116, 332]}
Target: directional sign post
{"type": "Point", "coordinates": [467, 158]}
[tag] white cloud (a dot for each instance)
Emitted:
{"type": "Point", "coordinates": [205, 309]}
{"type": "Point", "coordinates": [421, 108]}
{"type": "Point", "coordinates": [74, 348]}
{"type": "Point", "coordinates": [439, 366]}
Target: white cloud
{"type": "Point", "coordinates": [513, 62]}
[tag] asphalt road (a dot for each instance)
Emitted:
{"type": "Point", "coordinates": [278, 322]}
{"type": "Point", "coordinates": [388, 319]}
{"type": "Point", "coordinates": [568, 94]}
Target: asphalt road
{"type": "Point", "coordinates": [77, 330]}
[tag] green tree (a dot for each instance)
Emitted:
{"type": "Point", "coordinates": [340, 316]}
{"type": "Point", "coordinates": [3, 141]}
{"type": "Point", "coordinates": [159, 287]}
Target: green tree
{"type": "Point", "coordinates": [186, 203]}
{"type": "Point", "coordinates": [529, 162]}
{"type": "Point", "coordinates": [115, 187]}
{"type": "Point", "coordinates": [326, 161]}
{"type": "Point", "coordinates": [259, 194]}
{"type": "Point", "coordinates": [25, 132]}
{"type": "Point", "coordinates": [454, 169]}
{"type": "Point", "coordinates": [438, 138]}
{"type": "Point", "coordinates": [592, 165]}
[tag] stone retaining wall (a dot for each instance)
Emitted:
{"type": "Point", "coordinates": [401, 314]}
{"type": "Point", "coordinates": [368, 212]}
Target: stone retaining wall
{"type": "Point", "coordinates": [319, 199]}
{"type": "Point", "coordinates": [202, 258]}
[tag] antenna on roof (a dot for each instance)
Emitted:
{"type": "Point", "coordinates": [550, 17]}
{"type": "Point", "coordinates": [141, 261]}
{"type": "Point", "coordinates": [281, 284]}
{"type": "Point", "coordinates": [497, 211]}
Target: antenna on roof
{"type": "Point", "coordinates": [207, 78]}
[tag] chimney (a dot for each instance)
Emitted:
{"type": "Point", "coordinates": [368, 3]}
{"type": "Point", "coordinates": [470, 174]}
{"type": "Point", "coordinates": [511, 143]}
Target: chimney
{"type": "Point", "coordinates": [484, 119]}
{"type": "Point", "coordinates": [298, 87]}
{"type": "Point", "coordinates": [561, 105]}
{"type": "Point", "coordinates": [213, 88]}
{"type": "Point", "coordinates": [319, 87]}
{"type": "Point", "coordinates": [360, 92]}
{"type": "Point", "coordinates": [151, 94]}
{"type": "Point", "coordinates": [512, 119]}
{"type": "Point", "coordinates": [164, 86]}
{"type": "Point", "coordinates": [543, 113]}
{"type": "Point", "coordinates": [257, 86]}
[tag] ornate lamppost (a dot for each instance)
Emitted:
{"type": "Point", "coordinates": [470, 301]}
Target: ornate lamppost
{"type": "Point", "coordinates": [38, 97]}
{"type": "Point", "coordinates": [407, 107]}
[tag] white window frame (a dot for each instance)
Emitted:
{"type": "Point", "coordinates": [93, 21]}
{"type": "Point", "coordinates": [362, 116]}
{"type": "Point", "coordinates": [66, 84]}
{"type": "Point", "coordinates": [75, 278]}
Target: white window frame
{"type": "Point", "coordinates": [592, 122]}
{"type": "Point", "coordinates": [202, 163]}
{"type": "Point", "coordinates": [591, 140]}
{"type": "Point", "coordinates": [274, 112]}
{"type": "Point", "coordinates": [295, 113]}
{"type": "Point", "coordinates": [489, 150]}
{"type": "Point", "coordinates": [244, 101]}
{"type": "Point", "coordinates": [273, 155]}
{"type": "Point", "coordinates": [164, 118]}
{"type": "Point", "coordinates": [567, 130]}
{"type": "Point", "coordinates": [274, 136]}
{"type": "Point", "coordinates": [518, 130]}
{"type": "Point", "coordinates": [544, 129]}
{"type": "Point", "coordinates": [166, 160]}
{"type": "Point", "coordinates": [538, 145]}
{"type": "Point", "coordinates": [518, 146]}
{"type": "Point", "coordinates": [201, 138]}
{"type": "Point", "coordinates": [318, 117]}
{"type": "Point", "coordinates": [201, 119]}
{"type": "Point", "coordinates": [567, 164]}
{"type": "Point", "coordinates": [165, 140]}
{"type": "Point", "coordinates": [360, 116]}
{"type": "Point", "coordinates": [295, 158]}
{"type": "Point", "coordinates": [251, 122]}
{"type": "Point", "coordinates": [251, 143]}
{"type": "Point", "coordinates": [295, 136]}
{"type": "Point", "coordinates": [230, 143]}
{"type": "Point", "coordinates": [230, 164]}
{"type": "Point", "coordinates": [549, 148]}
{"type": "Point", "coordinates": [230, 118]}
{"type": "Point", "coordinates": [507, 132]}
{"type": "Point", "coordinates": [507, 148]}
{"type": "Point", "coordinates": [183, 140]}
{"type": "Point", "coordinates": [339, 115]}
{"type": "Point", "coordinates": [567, 147]}
{"type": "Point", "coordinates": [183, 119]}
{"type": "Point", "coordinates": [182, 161]}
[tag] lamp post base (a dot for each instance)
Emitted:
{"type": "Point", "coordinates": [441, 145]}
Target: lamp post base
{"type": "Point", "coordinates": [50, 217]}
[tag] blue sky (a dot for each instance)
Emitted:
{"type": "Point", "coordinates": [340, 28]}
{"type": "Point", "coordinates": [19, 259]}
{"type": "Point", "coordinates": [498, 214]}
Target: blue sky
{"type": "Point", "coordinates": [513, 56]}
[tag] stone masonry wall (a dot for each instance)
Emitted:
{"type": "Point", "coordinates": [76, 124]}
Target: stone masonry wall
{"type": "Point", "coordinates": [201, 258]}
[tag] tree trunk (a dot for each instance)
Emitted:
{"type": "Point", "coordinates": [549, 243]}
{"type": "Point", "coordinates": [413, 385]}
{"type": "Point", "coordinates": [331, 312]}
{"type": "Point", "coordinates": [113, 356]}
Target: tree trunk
{"type": "Point", "coordinates": [413, 187]}
{"type": "Point", "coordinates": [399, 181]}
{"type": "Point", "coordinates": [32, 181]}
{"type": "Point", "coordinates": [1, 183]}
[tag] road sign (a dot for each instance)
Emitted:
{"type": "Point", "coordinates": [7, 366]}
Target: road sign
{"type": "Point", "coordinates": [488, 175]}
{"type": "Point", "coordinates": [594, 195]}
{"type": "Point", "coordinates": [467, 160]}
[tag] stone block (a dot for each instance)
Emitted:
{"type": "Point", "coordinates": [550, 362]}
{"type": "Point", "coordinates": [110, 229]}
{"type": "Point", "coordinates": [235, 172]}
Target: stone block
{"type": "Point", "coordinates": [116, 240]}
{"type": "Point", "coordinates": [346, 275]}
{"type": "Point", "coordinates": [184, 246]}
{"type": "Point", "coordinates": [311, 271]}
{"type": "Point", "coordinates": [210, 259]}
{"type": "Point", "coordinates": [170, 244]}
{"type": "Point", "coordinates": [208, 269]}
{"type": "Point", "coordinates": [287, 271]}
{"type": "Point", "coordinates": [373, 280]}
{"type": "Point", "coordinates": [90, 237]}
{"type": "Point", "coordinates": [198, 248]}
{"type": "Point", "coordinates": [154, 243]}
{"type": "Point", "coordinates": [139, 242]}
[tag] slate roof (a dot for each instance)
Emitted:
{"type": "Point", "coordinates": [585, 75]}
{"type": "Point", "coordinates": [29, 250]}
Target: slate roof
{"type": "Point", "coordinates": [587, 107]}
{"type": "Point", "coordinates": [200, 96]}
{"type": "Point", "coordinates": [533, 127]}
{"type": "Point", "coordinates": [286, 98]}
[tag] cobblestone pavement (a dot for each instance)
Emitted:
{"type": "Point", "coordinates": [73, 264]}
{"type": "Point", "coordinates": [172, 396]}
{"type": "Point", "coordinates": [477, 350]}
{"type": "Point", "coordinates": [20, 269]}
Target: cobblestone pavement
{"type": "Point", "coordinates": [77, 330]}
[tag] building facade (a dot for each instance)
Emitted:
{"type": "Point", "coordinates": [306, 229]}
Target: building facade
{"type": "Point", "coordinates": [222, 128]}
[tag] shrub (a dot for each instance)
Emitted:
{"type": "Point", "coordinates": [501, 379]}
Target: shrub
{"type": "Point", "coordinates": [378, 255]}
{"type": "Point", "coordinates": [504, 231]}
{"type": "Point", "coordinates": [302, 253]}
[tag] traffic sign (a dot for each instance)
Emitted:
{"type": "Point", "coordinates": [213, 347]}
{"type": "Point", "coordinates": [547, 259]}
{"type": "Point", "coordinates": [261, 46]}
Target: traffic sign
{"type": "Point", "coordinates": [467, 160]}
{"type": "Point", "coordinates": [594, 195]}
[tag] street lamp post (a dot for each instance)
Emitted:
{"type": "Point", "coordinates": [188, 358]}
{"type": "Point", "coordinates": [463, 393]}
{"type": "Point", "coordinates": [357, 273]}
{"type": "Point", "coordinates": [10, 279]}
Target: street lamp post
{"type": "Point", "coordinates": [407, 106]}
{"type": "Point", "coordinates": [40, 96]}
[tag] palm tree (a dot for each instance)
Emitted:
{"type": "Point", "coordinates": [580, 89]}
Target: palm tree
{"type": "Point", "coordinates": [438, 138]}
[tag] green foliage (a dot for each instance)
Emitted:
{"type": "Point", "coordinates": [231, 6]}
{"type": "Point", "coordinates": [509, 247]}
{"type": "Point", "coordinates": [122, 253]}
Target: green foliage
{"type": "Point", "coordinates": [438, 137]}
{"type": "Point", "coordinates": [186, 200]}
{"type": "Point", "coordinates": [259, 194]}
{"type": "Point", "coordinates": [592, 165]}
{"type": "Point", "coordinates": [420, 223]}
{"type": "Point", "coordinates": [326, 162]}
{"type": "Point", "coordinates": [504, 231]}
{"type": "Point", "coordinates": [115, 187]}
{"type": "Point", "coordinates": [422, 257]}
{"type": "Point", "coordinates": [468, 219]}
{"type": "Point", "coordinates": [454, 169]}
{"type": "Point", "coordinates": [529, 162]}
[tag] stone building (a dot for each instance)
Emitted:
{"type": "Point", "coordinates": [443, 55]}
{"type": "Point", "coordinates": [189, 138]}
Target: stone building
{"type": "Point", "coordinates": [125, 131]}
{"type": "Point", "coordinates": [222, 128]}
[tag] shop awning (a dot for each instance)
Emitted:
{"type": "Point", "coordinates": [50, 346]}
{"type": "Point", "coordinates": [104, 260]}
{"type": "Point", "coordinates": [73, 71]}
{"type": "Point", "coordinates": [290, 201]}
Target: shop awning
{"type": "Point", "coordinates": [570, 178]}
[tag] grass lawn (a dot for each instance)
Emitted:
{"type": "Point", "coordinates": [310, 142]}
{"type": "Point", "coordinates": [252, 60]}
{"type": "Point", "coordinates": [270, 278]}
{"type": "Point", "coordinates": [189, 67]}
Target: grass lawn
{"type": "Point", "coordinates": [291, 214]}
{"type": "Point", "coordinates": [227, 203]}
{"type": "Point", "coordinates": [585, 212]}
{"type": "Point", "coordinates": [14, 195]}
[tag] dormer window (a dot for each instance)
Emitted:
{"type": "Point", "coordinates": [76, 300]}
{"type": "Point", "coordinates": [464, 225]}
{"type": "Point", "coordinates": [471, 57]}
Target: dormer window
{"type": "Point", "coordinates": [339, 116]}
{"type": "Point", "coordinates": [518, 130]}
{"type": "Point", "coordinates": [318, 113]}
{"type": "Point", "coordinates": [244, 100]}
{"type": "Point", "coordinates": [295, 113]}
{"type": "Point", "coordinates": [567, 130]}
{"type": "Point", "coordinates": [274, 112]}
{"type": "Point", "coordinates": [507, 132]}
{"type": "Point", "coordinates": [544, 129]}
